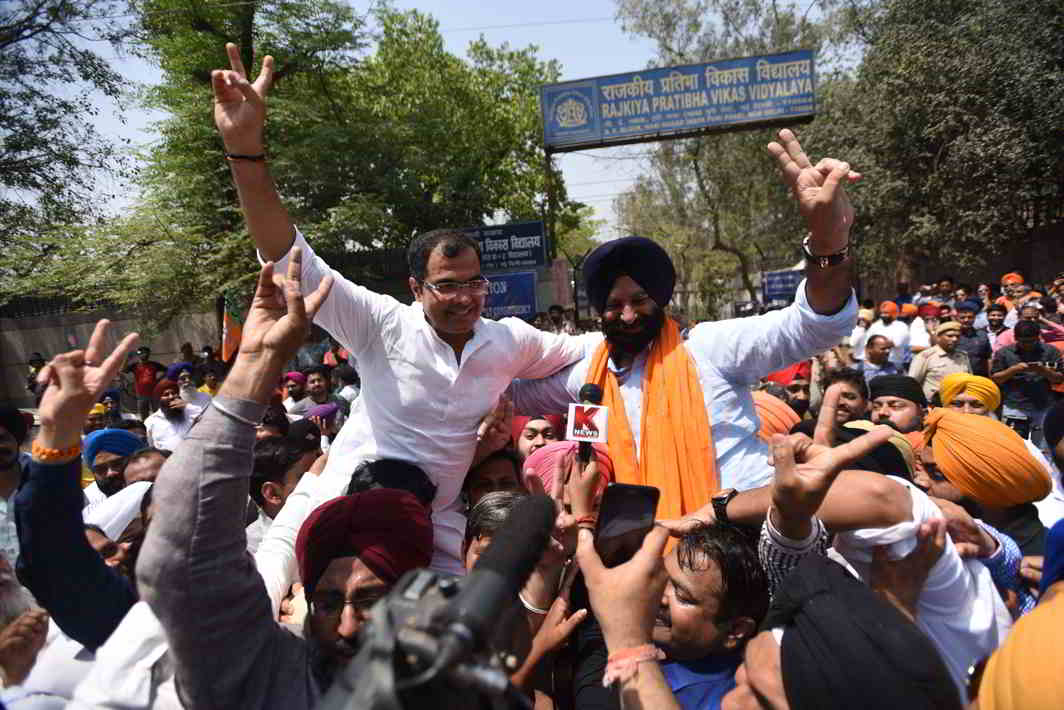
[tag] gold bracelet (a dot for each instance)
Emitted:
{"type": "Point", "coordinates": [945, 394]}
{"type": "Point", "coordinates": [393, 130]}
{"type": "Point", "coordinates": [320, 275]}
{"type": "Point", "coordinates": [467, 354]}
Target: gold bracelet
{"type": "Point", "coordinates": [46, 455]}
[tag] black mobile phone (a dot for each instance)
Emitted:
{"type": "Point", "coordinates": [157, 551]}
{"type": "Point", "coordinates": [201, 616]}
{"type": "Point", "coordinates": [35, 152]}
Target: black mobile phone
{"type": "Point", "coordinates": [625, 517]}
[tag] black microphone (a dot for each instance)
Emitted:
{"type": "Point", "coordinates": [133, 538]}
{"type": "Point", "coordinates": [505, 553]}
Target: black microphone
{"type": "Point", "coordinates": [497, 577]}
{"type": "Point", "coordinates": [589, 394]}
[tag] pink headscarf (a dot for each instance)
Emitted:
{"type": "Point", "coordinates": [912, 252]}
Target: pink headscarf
{"type": "Point", "coordinates": [542, 462]}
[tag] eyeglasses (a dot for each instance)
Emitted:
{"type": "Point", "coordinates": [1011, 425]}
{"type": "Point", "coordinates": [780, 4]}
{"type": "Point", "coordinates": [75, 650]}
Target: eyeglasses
{"type": "Point", "coordinates": [449, 289]}
{"type": "Point", "coordinates": [331, 604]}
{"type": "Point", "coordinates": [117, 465]}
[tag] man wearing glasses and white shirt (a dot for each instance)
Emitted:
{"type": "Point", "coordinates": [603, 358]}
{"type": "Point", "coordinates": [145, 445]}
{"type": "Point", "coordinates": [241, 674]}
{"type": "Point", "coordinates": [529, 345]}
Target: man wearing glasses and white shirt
{"type": "Point", "coordinates": [430, 371]}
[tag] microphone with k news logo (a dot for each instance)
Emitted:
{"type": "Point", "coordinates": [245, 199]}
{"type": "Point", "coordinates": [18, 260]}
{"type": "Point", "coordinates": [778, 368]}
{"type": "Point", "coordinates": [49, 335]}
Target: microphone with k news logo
{"type": "Point", "coordinates": [588, 421]}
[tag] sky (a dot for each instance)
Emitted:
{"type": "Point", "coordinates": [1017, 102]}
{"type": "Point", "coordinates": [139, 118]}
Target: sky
{"type": "Point", "coordinates": [584, 37]}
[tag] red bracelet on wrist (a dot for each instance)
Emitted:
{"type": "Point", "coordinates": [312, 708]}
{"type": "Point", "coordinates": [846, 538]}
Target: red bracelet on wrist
{"type": "Point", "coordinates": [588, 521]}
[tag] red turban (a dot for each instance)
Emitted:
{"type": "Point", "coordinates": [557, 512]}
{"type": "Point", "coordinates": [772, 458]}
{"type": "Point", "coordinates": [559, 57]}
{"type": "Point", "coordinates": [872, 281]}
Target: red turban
{"type": "Point", "coordinates": [908, 310]}
{"type": "Point", "coordinates": [798, 371]}
{"type": "Point", "coordinates": [928, 310]}
{"type": "Point", "coordinates": [165, 386]}
{"type": "Point", "coordinates": [1012, 277]}
{"type": "Point", "coordinates": [542, 462]}
{"type": "Point", "coordinates": [557, 422]}
{"type": "Point", "coordinates": [775, 415]}
{"type": "Point", "coordinates": [890, 307]}
{"type": "Point", "coordinates": [388, 529]}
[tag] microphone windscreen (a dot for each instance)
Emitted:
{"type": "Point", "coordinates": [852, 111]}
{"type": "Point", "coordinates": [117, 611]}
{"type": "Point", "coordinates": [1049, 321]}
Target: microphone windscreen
{"type": "Point", "coordinates": [518, 545]}
{"type": "Point", "coordinates": [591, 393]}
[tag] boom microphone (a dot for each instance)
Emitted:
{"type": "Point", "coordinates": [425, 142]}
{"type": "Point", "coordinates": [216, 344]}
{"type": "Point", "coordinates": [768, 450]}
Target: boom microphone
{"type": "Point", "coordinates": [497, 577]}
{"type": "Point", "coordinates": [589, 394]}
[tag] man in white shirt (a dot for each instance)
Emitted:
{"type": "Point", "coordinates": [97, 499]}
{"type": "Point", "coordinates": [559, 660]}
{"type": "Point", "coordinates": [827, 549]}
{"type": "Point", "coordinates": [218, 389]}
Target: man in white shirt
{"type": "Point", "coordinates": [895, 330]}
{"type": "Point", "coordinates": [347, 380]}
{"type": "Point", "coordinates": [729, 357]}
{"type": "Point", "coordinates": [187, 388]}
{"type": "Point", "coordinates": [13, 430]}
{"type": "Point", "coordinates": [859, 336]}
{"type": "Point", "coordinates": [169, 424]}
{"type": "Point", "coordinates": [431, 371]}
{"type": "Point", "coordinates": [279, 466]}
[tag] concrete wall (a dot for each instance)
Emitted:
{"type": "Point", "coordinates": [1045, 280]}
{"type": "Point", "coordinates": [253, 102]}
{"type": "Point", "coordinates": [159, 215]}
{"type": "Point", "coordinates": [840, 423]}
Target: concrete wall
{"type": "Point", "coordinates": [50, 335]}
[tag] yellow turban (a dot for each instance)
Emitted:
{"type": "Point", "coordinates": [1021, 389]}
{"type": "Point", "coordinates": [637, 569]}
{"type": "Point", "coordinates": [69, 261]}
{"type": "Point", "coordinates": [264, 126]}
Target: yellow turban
{"type": "Point", "coordinates": [1027, 672]}
{"type": "Point", "coordinates": [982, 388]}
{"type": "Point", "coordinates": [985, 459]}
{"type": "Point", "coordinates": [948, 326]}
{"type": "Point", "coordinates": [775, 415]}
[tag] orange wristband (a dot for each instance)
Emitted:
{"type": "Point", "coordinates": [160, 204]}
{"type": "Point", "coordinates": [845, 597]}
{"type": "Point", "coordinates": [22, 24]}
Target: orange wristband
{"type": "Point", "coordinates": [46, 455]}
{"type": "Point", "coordinates": [623, 665]}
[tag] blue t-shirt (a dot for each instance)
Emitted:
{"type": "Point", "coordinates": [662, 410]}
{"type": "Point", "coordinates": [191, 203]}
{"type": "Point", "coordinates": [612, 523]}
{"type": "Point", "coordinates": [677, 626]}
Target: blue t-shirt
{"type": "Point", "coordinates": [702, 684]}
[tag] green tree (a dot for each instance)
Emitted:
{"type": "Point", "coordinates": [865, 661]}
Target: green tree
{"type": "Point", "coordinates": [720, 194]}
{"type": "Point", "coordinates": [49, 149]}
{"type": "Point", "coordinates": [575, 235]}
{"type": "Point", "coordinates": [960, 112]}
{"type": "Point", "coordinates": [368, 148]}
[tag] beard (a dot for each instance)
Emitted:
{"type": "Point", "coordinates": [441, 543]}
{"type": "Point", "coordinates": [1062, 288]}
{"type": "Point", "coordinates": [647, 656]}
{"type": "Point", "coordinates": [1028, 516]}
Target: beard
{"type": "Point", "coordinates": [327, 660]}
{"type": "Point", "coordinates": [800, 406]}
{"type": "Point", "coordinates": [633, 338]}
{"type": "Point", "coordinates": [916, 425]}
{"type": "Point", "coordinates": [109, 486]}
{"type": "Point", "coordinates": [174, 415]}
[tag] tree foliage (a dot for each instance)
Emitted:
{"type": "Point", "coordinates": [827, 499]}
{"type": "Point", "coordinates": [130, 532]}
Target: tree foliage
{"type": "Point", "coordinates": [957, 110]}
{"type": "Point", "coordinates": [718, 197]}
{"type": "Point", "coordinates": [375, 133]}
{"type": "Point", "coordinates": [951, 110]}
{"type": "Point", "coordinates": [48, 146]}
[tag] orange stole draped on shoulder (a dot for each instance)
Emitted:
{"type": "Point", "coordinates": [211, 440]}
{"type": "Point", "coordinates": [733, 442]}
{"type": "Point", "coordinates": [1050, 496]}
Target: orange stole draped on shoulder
{"type": "Point", "coordinates": [676, 444]}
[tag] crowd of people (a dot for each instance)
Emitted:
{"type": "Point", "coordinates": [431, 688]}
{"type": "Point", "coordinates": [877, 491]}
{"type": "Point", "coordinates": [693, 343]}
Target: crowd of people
{"type": "Point", "coordinates": [847, 516]}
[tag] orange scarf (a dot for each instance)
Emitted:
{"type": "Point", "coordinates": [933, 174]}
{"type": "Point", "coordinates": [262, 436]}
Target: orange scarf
{"type": "Point", "coordinates": [676, 445]}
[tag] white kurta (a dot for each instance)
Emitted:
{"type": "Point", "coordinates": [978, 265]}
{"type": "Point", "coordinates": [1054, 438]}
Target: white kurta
{"type": "Point", "coordinates": [418, 403]}
{"type": "Point", "coordinates": [730, 356]}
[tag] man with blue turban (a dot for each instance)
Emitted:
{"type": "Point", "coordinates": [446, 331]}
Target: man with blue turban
{"type": "Point", "coordinates": [105, 453]}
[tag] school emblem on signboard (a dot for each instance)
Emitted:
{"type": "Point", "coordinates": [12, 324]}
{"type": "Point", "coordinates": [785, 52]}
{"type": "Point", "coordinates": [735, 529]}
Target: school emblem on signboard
{"type": "Point", "coordinates": [571, 113]}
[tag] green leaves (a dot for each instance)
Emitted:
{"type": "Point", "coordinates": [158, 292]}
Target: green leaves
{"type": "Point", "coordinates": [368, 148]}
{"type": "Point", "coordinates": [48, 147]}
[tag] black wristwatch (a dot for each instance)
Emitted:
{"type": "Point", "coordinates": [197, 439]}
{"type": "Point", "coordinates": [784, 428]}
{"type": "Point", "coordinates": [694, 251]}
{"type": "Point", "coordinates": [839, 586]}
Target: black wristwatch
{"type": "Point", "coordinates": [824, 260]}
{"type": "Point", "coordinates": [720, 502]}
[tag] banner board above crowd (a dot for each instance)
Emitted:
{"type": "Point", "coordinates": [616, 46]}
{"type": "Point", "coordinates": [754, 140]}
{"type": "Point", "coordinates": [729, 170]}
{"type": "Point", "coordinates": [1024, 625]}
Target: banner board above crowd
{"type": "Point", "coordinates": [673, 102]}
{"type": "Point", "coordinates": [512, 295]}
{"type": "Point", "coordinates": [781, 285]}
{"type": "Point", "coordinates": [519, 245]}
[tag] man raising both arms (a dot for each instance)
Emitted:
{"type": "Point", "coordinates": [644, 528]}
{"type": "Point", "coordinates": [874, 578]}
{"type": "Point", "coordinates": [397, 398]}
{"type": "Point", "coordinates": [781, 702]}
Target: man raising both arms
{"type": "Point", "coordinates": [430, 371]}
{"type": "Point", "coordinates": [682, 417]}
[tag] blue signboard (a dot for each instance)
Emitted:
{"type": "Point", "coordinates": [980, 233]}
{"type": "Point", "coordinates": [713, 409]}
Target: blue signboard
{"type": "Point", "coordinates": [511, 246]}
{"type": "Point", "coordinates": [780, 285]}
{"type": "Point", "coordinates": [512, 295]}
{"type": "Point", "coordinates": [679, 101]}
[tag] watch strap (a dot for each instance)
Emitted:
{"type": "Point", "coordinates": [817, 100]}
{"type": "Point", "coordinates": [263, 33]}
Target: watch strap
{"type": "Point", "coordinates": [824, 260]}
{"type": "Point", "coordinates": [720, 502]}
